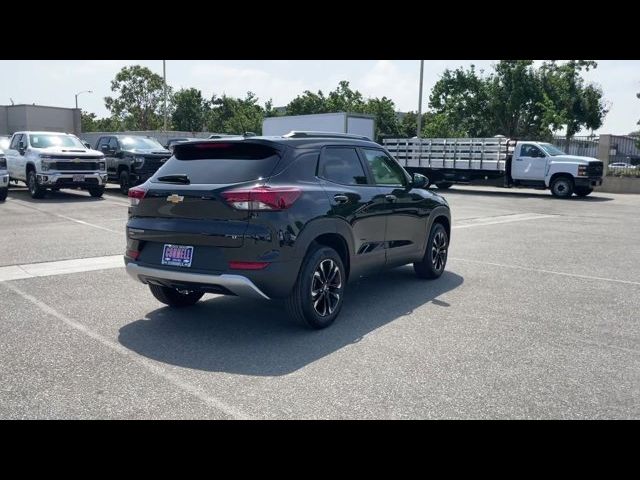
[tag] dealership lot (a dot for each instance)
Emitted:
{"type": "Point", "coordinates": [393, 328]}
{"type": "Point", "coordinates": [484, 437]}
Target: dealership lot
{"type": "Point", "coordinates": [536, 317]}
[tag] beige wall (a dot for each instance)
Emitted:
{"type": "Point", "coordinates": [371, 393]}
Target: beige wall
{"type": "Point", "coordinates": [14, 118]}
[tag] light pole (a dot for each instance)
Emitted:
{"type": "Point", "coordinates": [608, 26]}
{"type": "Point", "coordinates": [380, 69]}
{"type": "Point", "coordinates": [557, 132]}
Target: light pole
{"type": "Point", "coordinates": [420, 100]}
{"type": "Point", "coordinates": [84, 91]}
{"type": "Point", "coordinates": [164, 76]}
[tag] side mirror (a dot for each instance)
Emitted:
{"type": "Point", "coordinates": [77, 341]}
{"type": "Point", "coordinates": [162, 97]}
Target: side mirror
{"type": "Point", "coordinates": [87, 145]}
{"type": "Point", "coordinates": [419, 181]}
{"type": "Point", "coordinates": [21, 147]}
{"type": "Point", "coordinates": [104, 148]}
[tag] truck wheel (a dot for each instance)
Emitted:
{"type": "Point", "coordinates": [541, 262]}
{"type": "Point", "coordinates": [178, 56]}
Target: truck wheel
{"type": "Point", "coordinates": [35, 190]}
{"type": "Point", "coordinates": [175, 298]}
{"type": "Point", "coordinates": [435, 257]}
{"type": "Point", "coordinates": [125, 182]}
{"type": "Point", "coordinates": [562, 187]}
{"type": "Point", "coordinates": [3, 194]}
{"type": "Point", "coordinates": [582, 191]}
{"type": "Point", "coordinates": [444, 185]}
{"type": "Point", "coordinates": [96, 192]}
{"type": "Point", "coordinates": [318, 294]}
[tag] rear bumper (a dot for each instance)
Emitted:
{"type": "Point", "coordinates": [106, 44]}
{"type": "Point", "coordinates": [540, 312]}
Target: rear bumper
{"type": "Point", "coordinates": [236, 284]}
{"type": "Point", "coordinates": [55, 179]}
{"type": "Point", "coordinates": [588, 181]}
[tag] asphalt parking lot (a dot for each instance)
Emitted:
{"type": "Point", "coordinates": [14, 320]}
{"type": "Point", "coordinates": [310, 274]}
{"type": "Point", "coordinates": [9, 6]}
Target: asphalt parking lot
{"type": "Point", "coordinates": [537, 316]}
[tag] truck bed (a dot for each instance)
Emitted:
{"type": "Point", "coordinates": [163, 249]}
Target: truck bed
{"type": "Point", "coordinates": [451, 153]}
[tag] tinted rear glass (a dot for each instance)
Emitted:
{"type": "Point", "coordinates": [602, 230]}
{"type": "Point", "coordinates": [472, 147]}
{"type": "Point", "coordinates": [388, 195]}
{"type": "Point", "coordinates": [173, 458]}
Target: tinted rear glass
{"type": "Point", "coordinates": [220, 162]}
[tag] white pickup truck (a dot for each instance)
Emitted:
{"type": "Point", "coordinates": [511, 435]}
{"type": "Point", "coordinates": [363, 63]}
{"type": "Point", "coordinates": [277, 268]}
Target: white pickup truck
{"type": "Point", "coordinates": [4, 175]}
{"type": "Point", "coordinates": [54, 160]}
{"type": "Point", "coordinates": [498, 162]}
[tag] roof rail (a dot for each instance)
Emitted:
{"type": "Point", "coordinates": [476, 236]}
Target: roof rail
{"type": "Point", "coordinates": [307, 134]}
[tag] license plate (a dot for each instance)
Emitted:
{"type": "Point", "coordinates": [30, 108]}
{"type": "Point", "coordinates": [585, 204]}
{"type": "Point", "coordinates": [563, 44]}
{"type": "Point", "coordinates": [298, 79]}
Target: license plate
{"type": "Point", "coordinates": [177, 255]}
{"type": "Point", "coordinates": [78, 178]}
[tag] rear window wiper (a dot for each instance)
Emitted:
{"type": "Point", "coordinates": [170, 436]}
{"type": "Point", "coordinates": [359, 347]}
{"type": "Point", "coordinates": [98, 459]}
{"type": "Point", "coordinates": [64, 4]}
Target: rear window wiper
{"type": "Point", "coordinates": [182, 178]}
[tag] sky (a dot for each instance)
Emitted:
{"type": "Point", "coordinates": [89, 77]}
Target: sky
{"type": "Point", "coordinates": [55, 82]}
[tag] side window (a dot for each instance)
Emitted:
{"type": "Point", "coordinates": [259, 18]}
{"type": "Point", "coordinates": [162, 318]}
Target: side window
{"type": "Point", "coordinates": [101, 142]}
{"type": "Point", "coordinates": [530, 151]}
{"type": "Point", "coordinates": [385, 170]}
{"type": "Point", "coordinates": [15, 142]}
{"type": "Point", "coordinates": [341, 165]}
{"type": "Point", "coordinates": [113, 143]}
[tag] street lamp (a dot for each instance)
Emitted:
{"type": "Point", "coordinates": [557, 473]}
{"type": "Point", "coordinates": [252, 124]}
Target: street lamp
{"type": "Point", "coordinates": [84, 91]}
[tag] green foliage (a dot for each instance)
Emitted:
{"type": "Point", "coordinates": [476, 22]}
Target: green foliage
{"type": "Point", "coordinates": [235, 115]}
{"type": "Point", "coordinates": [90, 123]}
{"type": "Point", "coordinates": [516, 100]}
{"type": "Point", "coordinates": [383, 109]}
{"type": "Point", "coordinates": [138, 101]}
{"type": "Point", "coordinates": [190, 110]}
{"type": "Point", "coordinates": [459, 102]}
{"type": "Point", "coordinates": [573, 104]}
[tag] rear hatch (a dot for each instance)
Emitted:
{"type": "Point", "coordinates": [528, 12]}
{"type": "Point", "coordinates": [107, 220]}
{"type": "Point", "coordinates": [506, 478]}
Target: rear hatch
{"type": "Point", "coordinates": [184, 204]}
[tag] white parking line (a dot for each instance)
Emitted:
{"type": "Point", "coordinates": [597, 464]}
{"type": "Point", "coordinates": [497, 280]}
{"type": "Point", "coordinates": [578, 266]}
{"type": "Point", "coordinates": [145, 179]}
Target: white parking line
{"type": "Point", "coordinates": [516, 217]}
{"type": "Point", "coordinates": [540, 270]}
{"type": "Point", "coordinates": [61, 267]}
{"type": "Point", "coordinates": [145, 363]}
{"type": "Point", "coordinates": [81, 222]}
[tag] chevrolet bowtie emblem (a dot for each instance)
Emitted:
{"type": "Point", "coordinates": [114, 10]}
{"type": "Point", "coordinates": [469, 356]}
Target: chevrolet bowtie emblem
{"type": "Point", "coordinates": [173, 198]}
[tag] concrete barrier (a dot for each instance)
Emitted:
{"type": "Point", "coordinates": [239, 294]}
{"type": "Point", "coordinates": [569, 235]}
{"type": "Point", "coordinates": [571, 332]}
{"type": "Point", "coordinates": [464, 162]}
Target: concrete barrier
{"type": "Point", "coordinates": [619, 185]}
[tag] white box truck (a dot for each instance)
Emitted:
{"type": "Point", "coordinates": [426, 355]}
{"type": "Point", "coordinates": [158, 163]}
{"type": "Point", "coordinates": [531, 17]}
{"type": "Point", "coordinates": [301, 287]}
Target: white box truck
{"type": "Point", "coordinates": [353, 123]}
{"type": "Point", "coordinates": [497, 161]}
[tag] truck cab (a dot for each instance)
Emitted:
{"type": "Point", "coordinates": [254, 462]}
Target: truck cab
{"type": "Point", "coordinates": [542, 165]}
{"type": "Point", "coordinates": [131, 159]}
{"type": "Point", "coordinates": [55, 160]}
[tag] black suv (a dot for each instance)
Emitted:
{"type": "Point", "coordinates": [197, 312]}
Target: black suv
{"type": "Point", "coordinates": [131, 159]}
{"type": "Point", "coordinates": [292, 217]}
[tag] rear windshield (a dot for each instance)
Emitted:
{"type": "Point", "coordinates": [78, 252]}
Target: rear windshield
{"type": "Point", "coordinates": [220, 162]}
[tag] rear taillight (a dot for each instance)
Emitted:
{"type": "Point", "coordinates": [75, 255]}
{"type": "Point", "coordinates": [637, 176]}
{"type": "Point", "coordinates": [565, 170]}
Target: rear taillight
{"type": "Point", "coordinates": [262, 198]}
{"type": "Point", "coordinates": [133, 254]}
{"type": "Point", "coordinates": [136, 194]}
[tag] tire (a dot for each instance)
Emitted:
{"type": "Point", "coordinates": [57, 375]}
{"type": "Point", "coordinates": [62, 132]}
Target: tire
{"type": "Point", "coordinates": [173, 297]}
{"type": "Point", "coordinates": [444, 185]}
{"type": "Point", "coordinates": [562, 187]}
{"type": "Point", "coordinates": [434, 260]}
{"type": "Point", "coordinates": [582, 191]}
{"type": "Point", "coordinates": [322, 271]}
{"type": "Point", "coordinates": [35, 190]}
{"type": "Point", "coordinates": [125, 182]}
{"type": "Point", "coordinates": [96, 192]}
{"type": "Point", "coordinates": [3, 194]}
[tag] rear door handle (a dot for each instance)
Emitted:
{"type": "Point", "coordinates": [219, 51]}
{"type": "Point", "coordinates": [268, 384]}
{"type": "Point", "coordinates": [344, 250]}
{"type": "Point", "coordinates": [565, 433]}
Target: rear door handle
{"type": "Point", "coordinates": [390, 198]}
{"type": "Point", "coordinates": [339, 198]}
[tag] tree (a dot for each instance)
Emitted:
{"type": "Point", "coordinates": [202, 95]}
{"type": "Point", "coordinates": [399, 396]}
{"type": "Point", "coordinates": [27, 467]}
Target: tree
{"type": "Point", "coordinates": [189, 110]}
{"type": "Point", "coordinates": [459, 102]}
{"type": "Point", "coordinates": [87, 121]}
{"type": "Point", "coordinates": [516, 100]}
{"type": "Point", "coordinates": [138, 103]}
{"type": "Point", "coordinates": [307, 104]}
{"type": "Point", "coordinates": [90, 123]}
{"type": "Point", "coordinates": [235, 115]}
{"type": "Point", "coordinates": [386, 121]}
{"type": "Point", "coordinates": [571, 102]}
